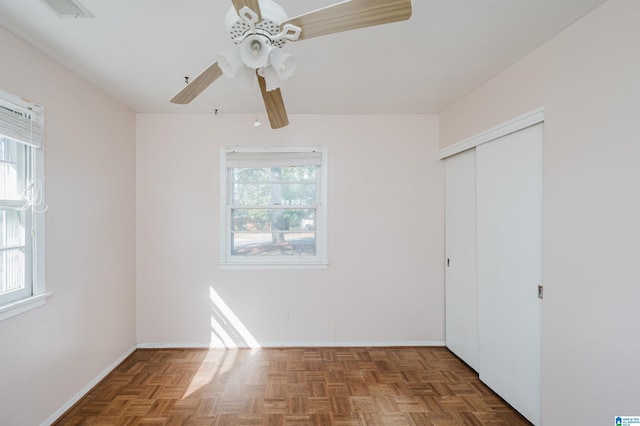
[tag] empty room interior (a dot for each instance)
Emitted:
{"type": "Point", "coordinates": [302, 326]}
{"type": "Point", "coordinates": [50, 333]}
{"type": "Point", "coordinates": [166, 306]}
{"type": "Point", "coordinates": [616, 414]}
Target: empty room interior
{"type": "Point", "coordinates": [310, 209]}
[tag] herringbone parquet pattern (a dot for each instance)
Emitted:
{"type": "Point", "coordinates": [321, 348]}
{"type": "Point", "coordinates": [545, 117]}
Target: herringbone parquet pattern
{"type": "Point", "coordinates": [296, 386]}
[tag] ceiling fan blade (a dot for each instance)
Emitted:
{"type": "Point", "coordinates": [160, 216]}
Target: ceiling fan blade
{"type": "Point", "coordinates": [196, 86]}
{"type": "Point", "coordinates": [251, 4]}
{"type": "Point", "coordinates": [350, 15]}
{"type": "Point", "coordinates": [274, 104]}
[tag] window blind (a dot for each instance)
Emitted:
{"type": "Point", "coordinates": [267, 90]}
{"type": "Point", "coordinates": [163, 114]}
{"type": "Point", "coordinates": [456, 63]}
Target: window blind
{"type": "Point", "coordinates": [241, 159]}
{"type": "Point", "coordinates": [24, 125]}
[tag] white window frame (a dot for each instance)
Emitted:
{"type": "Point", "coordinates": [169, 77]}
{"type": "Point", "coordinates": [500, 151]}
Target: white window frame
{"type": "Point", "coordinates": [230, 261]}
{"type": "Point", "coordinates": [30, 135]}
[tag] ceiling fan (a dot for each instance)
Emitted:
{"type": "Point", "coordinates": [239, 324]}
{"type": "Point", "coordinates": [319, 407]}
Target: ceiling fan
{"type": "Point", "coordinates": [260, 28]}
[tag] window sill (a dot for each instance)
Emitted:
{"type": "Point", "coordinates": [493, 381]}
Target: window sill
{"type": "Point", "coordinates": [21, 306]}
{"type": "Point", "coordinates": [274, 266]}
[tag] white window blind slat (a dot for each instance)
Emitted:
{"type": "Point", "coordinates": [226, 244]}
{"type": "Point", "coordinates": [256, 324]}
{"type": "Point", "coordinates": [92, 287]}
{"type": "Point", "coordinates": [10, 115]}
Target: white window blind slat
{"type": "Point", "coordinates": [21, 125]}
{"type": "Point", "coordinates": [272, 159]}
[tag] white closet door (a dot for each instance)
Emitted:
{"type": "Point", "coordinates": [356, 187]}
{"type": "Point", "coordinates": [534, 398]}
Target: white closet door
{"type": "Point", "coordinates": [509, 210]}
{"type": "Point", "coordinates": [461, 286]}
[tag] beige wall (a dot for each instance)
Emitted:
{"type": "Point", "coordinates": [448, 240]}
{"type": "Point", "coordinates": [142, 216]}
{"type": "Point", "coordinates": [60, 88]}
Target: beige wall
{"type": "Point", "coordinates": [49, 354]}
{"type": "Point", "coordinates": [588, 80]}
{"type": "Point", "coordinates": [384, 283]}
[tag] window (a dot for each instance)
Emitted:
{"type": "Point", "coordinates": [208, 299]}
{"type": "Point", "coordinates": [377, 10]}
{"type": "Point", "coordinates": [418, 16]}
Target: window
{"type": "Point", "coordinates": [21, 207]}
{"type": "Point", "coordinates": [273, 207]}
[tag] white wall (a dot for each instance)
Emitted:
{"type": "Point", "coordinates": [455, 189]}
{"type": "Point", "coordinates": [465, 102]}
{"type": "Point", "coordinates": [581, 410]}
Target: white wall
{"type": "Point", "coordinates": [49, 354]}
{"type": "Point", "coordinates": [587, 78]}
{"type": "Point", "coordinates": [384, 283]}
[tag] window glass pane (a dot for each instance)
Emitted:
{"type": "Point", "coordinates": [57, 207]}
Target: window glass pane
{"type": "Point", "coordinates": [251, 194]}
{"type": "Point", "coordinates": [261, 220]}
{"type": "Point", "coordinates": [7, 150]}
{"type": "Point", "coordinates": [271, 174]}
{"type": "Point", "coordinates": [12, 169]}
{"type": "Point", "coordinates": [12, 270]}
{"type": "Point", "coordinates": [273, 244]}
{"type": "Point", "coordinates": [298, 194]}
{"type": "Point", "coordinates": [276, 186]}
{"type": "Point", "coordinates": [274, 194]}
{"type": "Point", "coordinates": [298, 174]}
{"type": "Point", "coordinates": [12, 232]}
{"type": "Point", "coordinates": [251, 175]}
{"type": "Point", "coordinates": [279, 186]}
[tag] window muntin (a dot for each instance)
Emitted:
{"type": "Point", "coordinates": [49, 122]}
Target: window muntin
{"type": "Point", "coordinates": [274, 207]}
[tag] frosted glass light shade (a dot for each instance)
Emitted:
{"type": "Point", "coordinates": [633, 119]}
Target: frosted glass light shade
{"type": "Point", "coordinates": [230, 62]}
{"type": "Point", "coordinates": [284, 63]}
{"type": "Point", "coordinates": [245, 77]}
{"type": "Point", "coordinates": [254, 51]}
{"type": "Point", "coordinates": [271, 78]}
{"type": "Point", "coordinates": [232, 66]}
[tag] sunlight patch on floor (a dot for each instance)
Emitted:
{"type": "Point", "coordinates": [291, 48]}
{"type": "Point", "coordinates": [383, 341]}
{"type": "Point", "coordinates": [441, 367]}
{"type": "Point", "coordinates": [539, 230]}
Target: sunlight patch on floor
{"type": "Point", "coordinates": [216, 363]}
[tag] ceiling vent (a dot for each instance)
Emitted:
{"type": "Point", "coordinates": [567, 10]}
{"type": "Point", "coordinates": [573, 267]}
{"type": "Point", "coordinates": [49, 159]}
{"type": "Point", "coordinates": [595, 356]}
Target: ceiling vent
{"type": "Point", "coordinates": [68, 8]}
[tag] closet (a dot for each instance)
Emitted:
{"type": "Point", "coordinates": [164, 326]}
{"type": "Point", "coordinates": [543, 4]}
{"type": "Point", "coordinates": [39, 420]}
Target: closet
{"type": "Point", "coordinates": [494, 262]}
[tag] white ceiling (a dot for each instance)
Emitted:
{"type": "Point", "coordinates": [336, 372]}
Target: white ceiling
{"type": "Point", "coordinates": [140, 51]}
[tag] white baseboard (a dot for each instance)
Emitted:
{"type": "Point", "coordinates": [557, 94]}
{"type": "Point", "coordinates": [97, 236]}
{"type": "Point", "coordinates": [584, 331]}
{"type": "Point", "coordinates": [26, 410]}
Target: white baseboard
{"type": "Point", "coordinates": [173, 345]}
{"type": "Point", "coordinates": [59, 412]}
{"type": "Point", "coordinates": [288, 344]}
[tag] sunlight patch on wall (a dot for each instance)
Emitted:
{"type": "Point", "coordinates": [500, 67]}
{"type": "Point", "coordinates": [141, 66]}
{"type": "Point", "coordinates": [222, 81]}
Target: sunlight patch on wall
{"type": "Point", "coordinates": [226, 327]}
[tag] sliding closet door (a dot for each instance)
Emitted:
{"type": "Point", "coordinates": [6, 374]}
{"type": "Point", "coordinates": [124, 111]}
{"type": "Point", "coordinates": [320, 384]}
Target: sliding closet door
{"type": "Point", "coordinates": [461, 286]}
{"type": "Point", "coordinates": [509, 211]}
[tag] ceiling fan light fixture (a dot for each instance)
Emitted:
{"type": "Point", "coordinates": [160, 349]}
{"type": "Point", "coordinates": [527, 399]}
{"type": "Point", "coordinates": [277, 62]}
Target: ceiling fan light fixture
{"type": "Point", "coordinates": [259, 44]}
{"type": "Point", "coordinates": [254, 51]}
{"type": "Point", "coordinates": [271, 78]}
{"type": "Point", "coordinates": [245, 77]}
{"type": "Point", "coordinates": [230, 62]}
{"type": "Point", "coordinates": [234, 67]}
{"type": "Point", "coordinates": [284, 63]}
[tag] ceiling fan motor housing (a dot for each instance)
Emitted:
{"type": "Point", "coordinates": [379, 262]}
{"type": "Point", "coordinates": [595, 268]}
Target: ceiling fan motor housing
{"type": "Point", "coordinates": [268, 29]}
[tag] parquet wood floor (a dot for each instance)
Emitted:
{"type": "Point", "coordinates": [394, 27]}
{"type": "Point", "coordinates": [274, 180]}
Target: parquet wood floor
{"type": "Point", "coordinates": [292, 386]}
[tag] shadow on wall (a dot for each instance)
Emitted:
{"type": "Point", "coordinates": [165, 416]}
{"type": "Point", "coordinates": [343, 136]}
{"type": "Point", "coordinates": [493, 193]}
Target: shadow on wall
{"type": "Point", "coordinates": [226, 327]}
